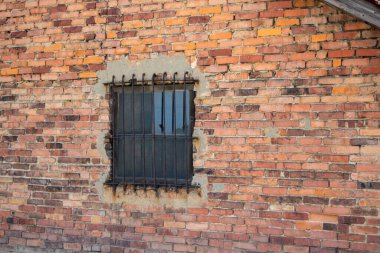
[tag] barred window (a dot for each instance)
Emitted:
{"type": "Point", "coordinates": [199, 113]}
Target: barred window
{"type": "Point", "coordinates": [152, 126]}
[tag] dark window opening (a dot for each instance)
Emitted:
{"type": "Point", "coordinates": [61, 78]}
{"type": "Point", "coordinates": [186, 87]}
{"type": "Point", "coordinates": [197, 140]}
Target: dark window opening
{"type": "Point", "coordinates": [152, 126]}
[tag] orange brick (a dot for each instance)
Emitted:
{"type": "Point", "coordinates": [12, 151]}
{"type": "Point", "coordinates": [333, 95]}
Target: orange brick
{"type": "Point", "coordinates": [321, 37]}
{"type": "Point", "coordinates": [210, 10]}
{"type": "Point", "coordinates": [197, 226]}
{"type": "Point", "coordinates": [254, 41]}
{"type": "Point", "coordinates": [152, 41]}
{"type": "Point", "coordinates": [345, 90]}
{"type": "Point", "coordinates": [184, 46]}
{"type": "Point", "coordinates": [296, 12]}
{"type": "Point", "coordinates": [36, 48]}
{"type": "Point", "coordinates": [87, 75]}
{"type": "Point", "coordinates": [133, 24]}
{"type": "Point", "coordinates": [269, 32]}
{"type": "Point", "coordinates": [80, 53]}
{"type": "Point", "coordinates": [370, 132]}
{"type": "Point", "coordinates": [176, 21]}
{"type": "Point", "coordinates": [303, 3]}
{"type": "Point", "coordinates": [174, 224]}
{"type": "Point", "coordinates": [324, 218]}
{"type": "Point", "coordinates": [356, 26]}
{"type": "Point", "coordinates": [206, 44]}
{"type": "Point", "coordinates": [265, 66]}
{"type": "Point", "coordinates": [73, 62]}
{"type": "Point", "coordinates": [337, 63]}
{"type": "Point", "coordinates": [53, 47]}
{"type": "Point", "coordinates": [111, 35]}
{"type": "Point", "coordinates": [274, 191]}
{"type": "Point", "coordinates": [227, 60]}
{"type": "Point", "coordinates": [187, 12]}
{"type": "Point", "coordinates": [221, 36]}
{"type": "Point", "coordinates": [222, 17]}
{"type": "Point", "coordinates": [244, 51]}
{"type": "Point", "coordinates": [139, 49]}
{"type": "Point", "coordinates": [370, 150]}
{"type": "Point", "coordinates": [93, 60]}
{"type": "Point", "coordinates": [96, 219]}
{"type": "Point", "coordinates": [287, 22]}
{"type": "Point", "coordinates": [9, 72]}
{"type": "Point", "coordinates": [130, 42]}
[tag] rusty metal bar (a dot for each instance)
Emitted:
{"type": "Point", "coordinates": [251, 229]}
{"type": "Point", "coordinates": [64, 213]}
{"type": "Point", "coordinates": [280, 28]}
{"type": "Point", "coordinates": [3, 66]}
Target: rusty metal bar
{"type": "Point", "coordinates": [113, 127]}
{"type": "Point", "coordinates": [174, 126]}
{"type": "Point", "coordinates": [133, 130]}
{"type": "Point", "coordinates": [153, 132]}
{"type": "Point", "coordinates": [163, 122]}
{"type": "Point", "coordinates": [143, 126]}
{"type": "Point", "coordinates": [123, 123]}
{"type": "Point", "coordinates": [185, 131]}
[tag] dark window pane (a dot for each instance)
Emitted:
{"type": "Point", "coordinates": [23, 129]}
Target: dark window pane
{"type": "Point", "coordinates": [153, 143]}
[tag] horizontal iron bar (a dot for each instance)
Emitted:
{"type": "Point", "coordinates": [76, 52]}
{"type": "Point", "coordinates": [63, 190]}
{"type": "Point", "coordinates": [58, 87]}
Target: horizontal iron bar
{"type": "Point", "coordinates": [150, 82]}
{"type": "Point", "coordinates": [181, 183]}
{"type": "Point", "coordinates": [182, 136]}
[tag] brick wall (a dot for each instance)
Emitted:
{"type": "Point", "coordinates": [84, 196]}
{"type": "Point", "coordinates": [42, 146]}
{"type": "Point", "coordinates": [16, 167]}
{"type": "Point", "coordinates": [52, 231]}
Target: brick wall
{"type": "Point", "coordinates": [291, 122]}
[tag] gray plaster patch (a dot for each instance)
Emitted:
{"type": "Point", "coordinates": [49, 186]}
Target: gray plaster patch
{"type": "Point", "coordinates": [146, 198]}
{"type": "Point", "coordinates": [271, 132]}
{"type": "Point", "coordinates": [159, 65]}
{"type": "Point", "coordinates": [197, 197]}
{"type": "Point", "coordinates": [201, 142]}
{"type": "Point", "coordinates": [99, 185]}
{"type": "Point", "coordinates": [218, 187]}
{"type": "Point", "coordinates": [306, 124]}
{"type": "Point", "coordinates": [100, 144]}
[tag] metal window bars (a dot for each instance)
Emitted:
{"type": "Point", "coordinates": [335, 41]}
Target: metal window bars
{"type": "Point", "coordinates": [152, 126]}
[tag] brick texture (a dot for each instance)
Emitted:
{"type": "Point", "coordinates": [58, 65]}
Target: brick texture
{"type": "Point", "coordinates": [291, 126]}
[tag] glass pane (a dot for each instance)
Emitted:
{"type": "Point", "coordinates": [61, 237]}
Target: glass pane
{"type": "Point", "coordinates": [164, 120]}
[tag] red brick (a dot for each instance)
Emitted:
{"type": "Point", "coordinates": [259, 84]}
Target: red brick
{"type": "Point", "coordinates": [272, 14]}
{"type": "Point", "coordinates": [199, 19]}
{"type": "Point", "coordinates": [341, 53]}
{"type": "Point", "coordinates": [220, 52]}
{"type": "Point", "coordinates": [250, 58]}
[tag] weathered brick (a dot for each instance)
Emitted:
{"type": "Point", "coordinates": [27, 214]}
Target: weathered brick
{"type": "Point", "coordinates": [199, 19]}
{"type": "Point", "coordinates": [18, 34]}
{"type": "Point", "coordinates": [351, 220]}
{"type": "Point", "coordinates": [363, 141]}
{"type": "Point", "coordinates": [66, 22]}
{"type": "Point", "coordinates": [250, 58]}
{"type": "Point", "coordinates": [220, 52]}
{"type": "Point", "coordinates": [72, 29]}
{"type": "Point", "coordinates": [303, 29]}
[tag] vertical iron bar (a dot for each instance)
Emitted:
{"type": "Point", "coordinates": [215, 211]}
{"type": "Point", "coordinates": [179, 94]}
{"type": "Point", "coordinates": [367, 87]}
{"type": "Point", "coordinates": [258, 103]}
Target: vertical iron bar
{"type": "Point", "coordinates": [124, 130]}
{"type": "Point", "coordinates": [185, 130]}
{"type": "Point", "coordinates": [133, 130]}
{"type": "Point", "coordinates": [174, 129]}
{"type": "Point", "coordinates": [154, 132]}
{"type": "Point", "coordinates": [163, 126]}
{"type": "Point", "coordinates": [143, 125]}
{"type": "Point", "coordinates": [191, 126]}
{"type": "Point", "coordinates": [113, 127]}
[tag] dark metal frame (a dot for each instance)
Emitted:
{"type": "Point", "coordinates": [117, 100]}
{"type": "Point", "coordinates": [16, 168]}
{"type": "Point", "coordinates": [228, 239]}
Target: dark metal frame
{"type": "Point", "coordinates": [187, 83]}
{"type": "Point", "coordinates": [362, 9]}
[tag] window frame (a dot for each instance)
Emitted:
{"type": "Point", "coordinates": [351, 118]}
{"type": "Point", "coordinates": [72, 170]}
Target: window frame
{"type": "Point", "coordinates": [173, 85]}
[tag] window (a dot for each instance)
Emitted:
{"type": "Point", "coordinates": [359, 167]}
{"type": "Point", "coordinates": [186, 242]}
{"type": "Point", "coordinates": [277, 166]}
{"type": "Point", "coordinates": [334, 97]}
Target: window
{"type": "Point", "coordinates": [152, 126]}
